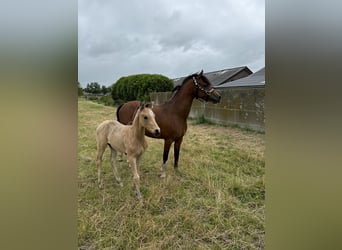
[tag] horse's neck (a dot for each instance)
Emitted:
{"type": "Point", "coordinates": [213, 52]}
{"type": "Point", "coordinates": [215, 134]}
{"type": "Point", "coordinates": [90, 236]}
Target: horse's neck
{"type": "Point", "coordinates": [182, 100]}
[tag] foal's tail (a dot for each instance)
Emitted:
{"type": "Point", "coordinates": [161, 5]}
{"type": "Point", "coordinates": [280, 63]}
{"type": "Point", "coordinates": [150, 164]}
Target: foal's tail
{"type": "Point", "coordinates": [117, 112]}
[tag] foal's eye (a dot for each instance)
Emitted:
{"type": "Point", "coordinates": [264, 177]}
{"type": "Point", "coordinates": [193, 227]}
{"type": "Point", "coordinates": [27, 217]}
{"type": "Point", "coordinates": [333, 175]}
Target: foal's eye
{"type": "Point", "coordinates": [145, 117]}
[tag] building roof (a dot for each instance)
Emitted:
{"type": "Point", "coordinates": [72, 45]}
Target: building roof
{"type": "Point", "coordinates": [255, 79]}
{"type": "Point", "coordinates": [218, 77]}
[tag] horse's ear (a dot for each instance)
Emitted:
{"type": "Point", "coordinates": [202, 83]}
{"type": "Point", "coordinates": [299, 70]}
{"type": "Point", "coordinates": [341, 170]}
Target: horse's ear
{"type": "Point", "coordinates": [142, 105]}
{"type": "Point", "coordinates": [149, 105]}
{"type": "Point", "coordinates": [201, 73]}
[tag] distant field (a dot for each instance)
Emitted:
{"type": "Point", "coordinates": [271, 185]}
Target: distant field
{"type": "Point", "coordinates": [217, 201]}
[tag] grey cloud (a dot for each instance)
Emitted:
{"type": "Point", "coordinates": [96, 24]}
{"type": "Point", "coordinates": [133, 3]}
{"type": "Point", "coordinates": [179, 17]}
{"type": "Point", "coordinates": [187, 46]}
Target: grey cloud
{"type": "Point", "coordinates": [173, 38]}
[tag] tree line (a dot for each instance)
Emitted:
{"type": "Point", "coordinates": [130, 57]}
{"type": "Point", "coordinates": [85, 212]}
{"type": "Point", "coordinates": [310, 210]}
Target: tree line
{"type": "Point", "coordinates": [94, 88]}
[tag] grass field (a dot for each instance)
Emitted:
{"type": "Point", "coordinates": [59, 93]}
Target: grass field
{"type": "Point", "coordinates": [216, 202]}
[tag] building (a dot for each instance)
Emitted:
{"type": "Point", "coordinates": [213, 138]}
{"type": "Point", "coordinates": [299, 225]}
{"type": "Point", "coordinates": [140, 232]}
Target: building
{"type": "Point", "coordinates": [256, 79]}
{"type": "Point", "coordinates": [242, 103]}
{"type": "Point", "coordinates": [220, 77]}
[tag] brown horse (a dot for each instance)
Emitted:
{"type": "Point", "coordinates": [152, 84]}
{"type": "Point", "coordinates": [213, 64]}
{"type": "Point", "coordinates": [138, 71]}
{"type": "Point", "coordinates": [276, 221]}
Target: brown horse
{"type": "Point", "coordinates": [129, 139]}
{"type": "Point", "coordinates": [171, 116]}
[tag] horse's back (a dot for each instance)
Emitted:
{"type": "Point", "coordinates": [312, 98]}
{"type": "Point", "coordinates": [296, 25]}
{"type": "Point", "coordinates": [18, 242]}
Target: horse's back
{"type": "Point", "coordinates": [126, 111]}
{"type": "Point", "coordinates": [170, 125]}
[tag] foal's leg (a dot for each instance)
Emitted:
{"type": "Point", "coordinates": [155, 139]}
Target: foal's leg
{"type": "Point", "coordinates": [167, 145]}
{"type": "Point", "coordinates": [113, 161]}
{"type": "Point", "coordinates": [121, 157]}
{"type": "Point", "coordinates": [136, 178]}
{"type": "Point", "coordinates": [100, 150]}
{"type": "Point", "coordinates": [176, 152]}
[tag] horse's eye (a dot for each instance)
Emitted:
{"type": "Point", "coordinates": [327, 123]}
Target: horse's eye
{"type": "Point", "coordinates": [145, 117]}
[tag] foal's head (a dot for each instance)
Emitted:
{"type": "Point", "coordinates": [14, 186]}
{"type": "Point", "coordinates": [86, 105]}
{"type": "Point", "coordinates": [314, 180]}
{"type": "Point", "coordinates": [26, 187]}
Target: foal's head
{"type": "Point", "coordinates": [204, 89]}
{"type": "Point", "coordinates": [147, 119]}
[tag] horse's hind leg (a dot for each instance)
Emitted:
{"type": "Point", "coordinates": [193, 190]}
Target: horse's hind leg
{"type": "Point", "coordinates": [113, 161]}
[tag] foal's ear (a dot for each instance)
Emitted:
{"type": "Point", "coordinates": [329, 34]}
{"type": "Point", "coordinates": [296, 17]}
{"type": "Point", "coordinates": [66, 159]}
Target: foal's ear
{"type": "Point", "coordinates": [201, 72]}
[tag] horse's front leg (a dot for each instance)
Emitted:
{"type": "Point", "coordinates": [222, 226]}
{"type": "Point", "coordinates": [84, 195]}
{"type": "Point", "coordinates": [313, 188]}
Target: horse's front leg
{"type": "Point", "coordinates": [136, 178]}
{"type": "Point", "coordinates": [176, 152]}
{"type": "Point", "coordinates": [167, 145]}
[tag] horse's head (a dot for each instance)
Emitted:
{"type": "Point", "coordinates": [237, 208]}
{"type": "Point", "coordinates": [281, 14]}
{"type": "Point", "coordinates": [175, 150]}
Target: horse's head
{"type": "Point", "coordinates": [147, 119]}
{"type": "Point", "coordinates": [204, 89]}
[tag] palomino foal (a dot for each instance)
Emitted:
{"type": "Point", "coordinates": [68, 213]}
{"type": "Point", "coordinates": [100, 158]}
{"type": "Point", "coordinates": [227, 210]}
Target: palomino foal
{"type": "Point", "coordinates": [129, 139]}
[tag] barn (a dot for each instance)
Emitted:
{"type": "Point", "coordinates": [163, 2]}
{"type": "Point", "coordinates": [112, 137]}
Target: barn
{"type": "Point", "coordinates": [242, 103]}
{"type": "Point", "coordinates": [220, 77]}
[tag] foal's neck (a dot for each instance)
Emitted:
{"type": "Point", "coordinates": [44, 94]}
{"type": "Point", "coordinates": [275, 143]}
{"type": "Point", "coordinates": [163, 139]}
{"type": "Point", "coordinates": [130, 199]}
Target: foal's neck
{"type": "Point", "coordinates": [138, 130]}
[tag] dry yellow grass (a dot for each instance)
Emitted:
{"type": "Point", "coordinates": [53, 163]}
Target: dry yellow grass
{"type": "Point", "coordinates": [216, 202]}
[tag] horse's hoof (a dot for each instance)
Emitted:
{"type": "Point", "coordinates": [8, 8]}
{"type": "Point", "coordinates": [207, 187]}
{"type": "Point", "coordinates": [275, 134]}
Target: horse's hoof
{"type": "Point", "coordinates": [177, 172]}
{"type": "Point", "coordinates": [121, 184]}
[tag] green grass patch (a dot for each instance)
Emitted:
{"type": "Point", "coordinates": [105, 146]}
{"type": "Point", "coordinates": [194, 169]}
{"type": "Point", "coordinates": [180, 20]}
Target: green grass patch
{"type": "Point", "coordinates": [200, 119]}
{"type": "Point", "coordinates": [217, 201]}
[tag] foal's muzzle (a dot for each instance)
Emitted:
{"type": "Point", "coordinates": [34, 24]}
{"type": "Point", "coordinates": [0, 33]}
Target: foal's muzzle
{"type": "Point", "coordinates": [157, 132]}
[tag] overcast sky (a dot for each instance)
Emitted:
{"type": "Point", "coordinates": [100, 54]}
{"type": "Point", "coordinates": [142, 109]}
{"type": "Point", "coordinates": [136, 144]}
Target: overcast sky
{"type": "Point", "coordinates": [169, 37]}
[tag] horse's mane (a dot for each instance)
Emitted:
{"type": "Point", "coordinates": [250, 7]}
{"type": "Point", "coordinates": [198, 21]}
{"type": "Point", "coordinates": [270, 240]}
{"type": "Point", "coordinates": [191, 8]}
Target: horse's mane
{"type": "Point", "coordinates": [178, 87]}
{"type": "Point", "coordinates": [204, 78]}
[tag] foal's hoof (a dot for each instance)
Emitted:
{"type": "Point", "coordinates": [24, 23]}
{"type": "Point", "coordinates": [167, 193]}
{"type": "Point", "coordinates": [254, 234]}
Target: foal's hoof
{"type": "Point", "coordinates": [138, 195]}
{"type": "Point", "coordinates": [119, 182]}
{"type": "Point", "coordinates": [162, 175]}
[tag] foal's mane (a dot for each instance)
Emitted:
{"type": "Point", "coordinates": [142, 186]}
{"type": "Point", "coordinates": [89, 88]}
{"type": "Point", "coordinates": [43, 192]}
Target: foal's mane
{"type": "Point", "coordinates": [136, 113]}
{"type": "Point", "coordinates": [141, 106]}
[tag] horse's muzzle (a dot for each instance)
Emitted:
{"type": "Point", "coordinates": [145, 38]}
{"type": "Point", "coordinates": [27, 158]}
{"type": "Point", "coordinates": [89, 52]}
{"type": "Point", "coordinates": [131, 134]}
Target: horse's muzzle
{"type": "Point", "coordinates": [215, 97]}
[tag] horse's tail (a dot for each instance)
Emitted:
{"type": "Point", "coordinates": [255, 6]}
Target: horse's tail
{"type": "Point", "coordinates": [117, 112]}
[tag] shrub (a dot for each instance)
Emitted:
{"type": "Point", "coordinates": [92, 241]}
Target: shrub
{"type": "Point", "coordinates": [139, 87]}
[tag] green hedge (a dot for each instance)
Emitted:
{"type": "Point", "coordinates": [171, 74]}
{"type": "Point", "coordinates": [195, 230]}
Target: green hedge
{"type": "Point", "coordinates": [139, 87]}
